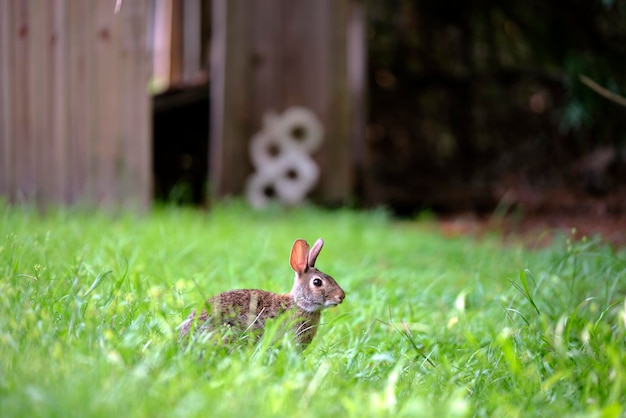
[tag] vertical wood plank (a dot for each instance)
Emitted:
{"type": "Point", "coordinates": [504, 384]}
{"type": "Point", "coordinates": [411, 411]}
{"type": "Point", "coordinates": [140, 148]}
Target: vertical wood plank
{"type": "Point", "coordinates": [143, 124]}
{"type": "Point", "coordinates": [7, 39]}
{"type": "Point", "coordinates": [231, 118]}
{"type": "Point", "coordinates": [140, 79]}
{"type": "Point", "coordinates": [291, 52]}
{"type": "Point", "coordinates": [135, 175]}
{"type": "Point", "coordinates": [58, 102]}
{"type": "Point", "coordinates": [192, 41]}
{"type": "Point", "coordinates": [92, 102]}
{"type": "Point", "coordinates": [357, 62]}
{"type": "Point", "coordinates": [106, 141]}
{"type": "Point", "coordinates": [336, 161]}
{"type": "Point", "coordinates": [77, 121]}
{"type": "Point", "coordinates": [39, 100]}
{"type": "Point", "coordinates": [176, 44]}
{"type": "Point", "coordinates": [218, 90]}
{"type": "Point", "coordinates": [25, 181]}
{"type": "Point", "coordinates": [85, 104]}
{"type": "Point", "coordinates": [266, 58]}
{"type": "Point", "coordinates": [162, 38]}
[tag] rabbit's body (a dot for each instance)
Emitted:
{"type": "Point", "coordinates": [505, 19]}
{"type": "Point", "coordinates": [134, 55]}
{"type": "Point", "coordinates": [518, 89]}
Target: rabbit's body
{"type": "Point", "coordinates": [248, 310]}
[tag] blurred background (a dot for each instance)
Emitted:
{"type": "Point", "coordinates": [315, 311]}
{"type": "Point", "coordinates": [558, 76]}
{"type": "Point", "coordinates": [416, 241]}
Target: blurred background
{"type": "Point", "coordinates": [472, 107]}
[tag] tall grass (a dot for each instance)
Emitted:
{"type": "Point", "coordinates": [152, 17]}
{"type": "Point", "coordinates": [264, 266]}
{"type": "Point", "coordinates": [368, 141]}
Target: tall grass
{"type": "Point", "coordinates": [431, 326]}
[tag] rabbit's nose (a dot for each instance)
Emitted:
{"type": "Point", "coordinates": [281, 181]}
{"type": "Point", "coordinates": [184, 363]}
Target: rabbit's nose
{"type": "Point", "coordinates": [341, 296]}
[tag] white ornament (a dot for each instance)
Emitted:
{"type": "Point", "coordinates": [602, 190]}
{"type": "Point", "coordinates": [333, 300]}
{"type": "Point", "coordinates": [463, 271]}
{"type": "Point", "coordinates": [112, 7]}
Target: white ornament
{"type": "Point", "coordinates": [280, 154]}
{"type": "Point", "coordinates": [300, 126]}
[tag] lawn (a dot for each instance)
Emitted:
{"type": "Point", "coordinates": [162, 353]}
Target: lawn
{"type": "Point", "coordinates": [437, 326]}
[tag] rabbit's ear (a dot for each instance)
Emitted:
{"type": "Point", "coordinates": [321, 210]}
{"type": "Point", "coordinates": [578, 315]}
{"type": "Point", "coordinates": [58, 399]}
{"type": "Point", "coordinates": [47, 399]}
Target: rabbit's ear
{"type": "Point", "coordinates": [299, 256]}
{"type": "Point", "coordinates": [315, 251]}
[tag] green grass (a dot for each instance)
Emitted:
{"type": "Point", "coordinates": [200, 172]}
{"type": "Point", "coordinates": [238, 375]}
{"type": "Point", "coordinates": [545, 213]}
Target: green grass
{"type": "Point", "coordinates": [431, 326]}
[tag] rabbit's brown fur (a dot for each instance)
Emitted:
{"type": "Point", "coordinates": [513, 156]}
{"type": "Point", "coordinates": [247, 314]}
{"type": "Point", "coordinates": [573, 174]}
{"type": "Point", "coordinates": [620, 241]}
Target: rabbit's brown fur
{"type": "Point", "coordinates": [249, 309]}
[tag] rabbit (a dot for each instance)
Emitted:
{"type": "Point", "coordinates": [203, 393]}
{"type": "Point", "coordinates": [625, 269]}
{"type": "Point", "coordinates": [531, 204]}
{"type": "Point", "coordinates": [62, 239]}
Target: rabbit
{"type": "Point", "coordinates": [248, 309]}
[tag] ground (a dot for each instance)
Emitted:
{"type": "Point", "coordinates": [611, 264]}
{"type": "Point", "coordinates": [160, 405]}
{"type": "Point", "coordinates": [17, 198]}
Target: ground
{"type": "Point", "coordinates": [536, 223]}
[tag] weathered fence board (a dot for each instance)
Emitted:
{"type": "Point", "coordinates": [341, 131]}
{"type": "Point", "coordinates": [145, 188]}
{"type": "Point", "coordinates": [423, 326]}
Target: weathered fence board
{"type": "Point", "coordinates": [7, 109]}
{"type": "Point", "coordinates": [269, 55]}
{"type": "Point", "coordinates": [6, 106]}
{"type": "Point", "coordinates": [74, 103]}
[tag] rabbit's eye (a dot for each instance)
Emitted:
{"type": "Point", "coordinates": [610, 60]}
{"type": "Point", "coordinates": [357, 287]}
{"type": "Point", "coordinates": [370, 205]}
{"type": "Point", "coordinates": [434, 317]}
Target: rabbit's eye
{"type": "Point", "coordinates": [317, 282]}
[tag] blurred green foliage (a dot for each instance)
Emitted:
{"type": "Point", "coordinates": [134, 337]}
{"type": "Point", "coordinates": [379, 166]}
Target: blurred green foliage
{"type": "Point", "coordinates": [472, 94]}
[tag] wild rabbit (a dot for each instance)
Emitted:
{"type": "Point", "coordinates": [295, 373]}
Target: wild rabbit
{"type": "Point", "coordinates": [248, 310]}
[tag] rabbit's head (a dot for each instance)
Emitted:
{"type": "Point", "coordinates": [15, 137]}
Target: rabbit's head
{"type": "Point", "coordinates": [312, 290]}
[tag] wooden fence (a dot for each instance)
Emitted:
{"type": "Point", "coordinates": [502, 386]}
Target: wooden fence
{"type": "Point", "coordinates": [74, 105]}
{"type": "Point", "coordinates": [271, 54]}
{"type": "Point", "coordinates": [75, 108]}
